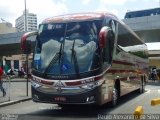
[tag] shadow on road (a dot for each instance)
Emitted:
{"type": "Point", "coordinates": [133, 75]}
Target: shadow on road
{"type": "Point", "coordinates": [81, 111]}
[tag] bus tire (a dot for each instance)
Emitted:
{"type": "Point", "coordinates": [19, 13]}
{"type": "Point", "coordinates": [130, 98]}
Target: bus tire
{"type": "Point", "coordinates": [142, 85]}
{"type": "Point", "coordinates": [114, 97]}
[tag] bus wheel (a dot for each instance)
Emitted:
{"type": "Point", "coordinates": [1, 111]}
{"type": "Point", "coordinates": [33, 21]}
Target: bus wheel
{"type": "Point", "coordinates": [114, 97]}
{"type": "Point", "coordinates": [142, 85]}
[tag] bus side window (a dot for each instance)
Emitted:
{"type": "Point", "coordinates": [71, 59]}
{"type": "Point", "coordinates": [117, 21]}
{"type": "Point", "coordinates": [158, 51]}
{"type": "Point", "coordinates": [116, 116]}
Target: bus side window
{"type": "Point", "coordinates": [129, 43]}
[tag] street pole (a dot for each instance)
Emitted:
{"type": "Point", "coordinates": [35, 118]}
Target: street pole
{"type": "Point", "coordinates": [27, 72]}
{"type": "Point", "coordinates": [25, 12]}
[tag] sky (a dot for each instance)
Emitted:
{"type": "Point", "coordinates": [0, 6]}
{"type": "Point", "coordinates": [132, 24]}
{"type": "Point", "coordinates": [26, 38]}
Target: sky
{"type": "Point", "coordinates": [12, 9]}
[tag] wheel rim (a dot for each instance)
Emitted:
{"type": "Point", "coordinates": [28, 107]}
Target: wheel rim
{"type": "Point", "coordinates": [115, 97]}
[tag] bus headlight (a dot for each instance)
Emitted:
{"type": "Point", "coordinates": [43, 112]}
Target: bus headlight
{"type": "Point", "coordinates": [99, 82]}
{"type": "Point", "coordinates": [88, 86]}
{"type": "Point", "coordinates": [35, 85]}
{"type": "Point", "coordinates": [92, 84]}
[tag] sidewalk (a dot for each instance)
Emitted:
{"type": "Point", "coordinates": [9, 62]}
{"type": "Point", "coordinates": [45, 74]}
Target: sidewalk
{"type": "Point", "coordinates": [17, 80]}
{"type": "Point", "coordinates": [16, 91]}
{"type": "Point", "coordinates": [156, 82]}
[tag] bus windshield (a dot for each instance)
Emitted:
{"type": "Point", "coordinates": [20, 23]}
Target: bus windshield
{"type": "Point", "coordinates": [67, 48]}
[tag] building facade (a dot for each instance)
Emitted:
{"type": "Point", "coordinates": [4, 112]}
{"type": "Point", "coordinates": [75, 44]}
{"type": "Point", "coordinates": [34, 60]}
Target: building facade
{"type": "Point", "coordinates": [31, 20]}
{"type": "Point", "coordinates": [16, 62]}
{"type": "Point", "coordinates": [6, 27]}
{"type": "Point", "coordinates": [142, 13]}
{"type": "Point", "coordinates": [11, 55]}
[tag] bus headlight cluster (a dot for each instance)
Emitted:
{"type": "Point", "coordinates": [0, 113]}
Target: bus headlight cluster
{"type": "Point", "coordinates": [88, 86]}
{"type": "Point", "coordinates": [92, 84]}
{"type": "Point", "coordinates": [35, 85]}
{"type": "Point", "coordinates": [100, 82]}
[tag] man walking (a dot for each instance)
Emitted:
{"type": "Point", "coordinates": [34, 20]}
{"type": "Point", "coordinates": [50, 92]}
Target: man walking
{"type": "Point", "coordinates": [1, 81]}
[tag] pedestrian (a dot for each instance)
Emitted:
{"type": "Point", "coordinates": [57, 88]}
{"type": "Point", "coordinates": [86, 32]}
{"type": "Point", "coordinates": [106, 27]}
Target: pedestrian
{"type": "Point", "coordinates": [154, 74]}
{"type": "Point", "coordinates": [158, 74]}
{"type": "Point", "coordinates": [1, 81]}
{"type": "Point", "coordinates": [21, 72]}
{"type": "Point", "coordinates": [12, 71]}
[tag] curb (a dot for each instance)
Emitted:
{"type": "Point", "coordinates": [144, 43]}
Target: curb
{"type": "Point", "coordinates": [14, 102]}
{"type": "Point", "coordinates": [16, 81]}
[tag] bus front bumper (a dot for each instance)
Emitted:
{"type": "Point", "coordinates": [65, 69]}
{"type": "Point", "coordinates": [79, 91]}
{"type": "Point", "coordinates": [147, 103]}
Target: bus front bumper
{"type": "Point", "coordinates": [83, 97]}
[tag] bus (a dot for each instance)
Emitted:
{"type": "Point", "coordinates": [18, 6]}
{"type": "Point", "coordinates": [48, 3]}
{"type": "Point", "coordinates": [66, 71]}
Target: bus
{"type": "Point", "coordinates": [86, 58]}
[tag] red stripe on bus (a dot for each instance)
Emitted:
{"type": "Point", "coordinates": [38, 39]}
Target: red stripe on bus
{"type": "Point", "coordinates": [120, 71]}
{"type": "Point", "coordinates": [125, 78]}
{"type": "Point", "coordinates": [123, 63]}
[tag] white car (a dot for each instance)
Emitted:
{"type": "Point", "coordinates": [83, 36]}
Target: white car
{"type": "Point", "coordinates": [15, 72]}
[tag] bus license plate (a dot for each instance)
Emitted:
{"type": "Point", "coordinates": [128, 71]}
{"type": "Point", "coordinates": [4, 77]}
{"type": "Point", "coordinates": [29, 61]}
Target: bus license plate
{"type": "Point", "coordinates": [62, 99]}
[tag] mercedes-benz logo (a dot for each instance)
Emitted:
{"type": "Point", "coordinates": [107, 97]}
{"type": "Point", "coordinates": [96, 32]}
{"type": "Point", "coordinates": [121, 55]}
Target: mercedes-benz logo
{"type": "Point", "coordinates": [59, 86]}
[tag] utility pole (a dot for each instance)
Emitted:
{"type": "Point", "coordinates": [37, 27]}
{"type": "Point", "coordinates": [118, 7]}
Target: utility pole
{"type": "Point", "coordinates": [25, 12]}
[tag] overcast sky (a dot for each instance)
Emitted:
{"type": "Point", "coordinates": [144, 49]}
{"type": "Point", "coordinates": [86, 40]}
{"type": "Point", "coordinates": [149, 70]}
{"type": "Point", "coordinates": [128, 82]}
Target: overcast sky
{"type": "Point", "coordinates": [12, 9]}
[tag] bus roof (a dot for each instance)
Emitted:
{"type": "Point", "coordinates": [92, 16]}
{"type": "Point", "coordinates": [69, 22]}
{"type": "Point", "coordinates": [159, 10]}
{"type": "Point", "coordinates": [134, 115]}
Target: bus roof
{"type": "Point", "coordinates": [78, 17]}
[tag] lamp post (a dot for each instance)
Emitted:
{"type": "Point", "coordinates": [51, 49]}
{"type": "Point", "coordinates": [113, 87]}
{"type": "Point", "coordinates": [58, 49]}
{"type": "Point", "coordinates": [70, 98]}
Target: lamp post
{"type": "Point", "coordinates": [25, 12]}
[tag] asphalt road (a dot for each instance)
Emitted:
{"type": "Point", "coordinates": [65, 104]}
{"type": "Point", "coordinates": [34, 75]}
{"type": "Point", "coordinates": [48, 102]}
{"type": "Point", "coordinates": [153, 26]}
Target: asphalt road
{"type": "Point", "coordinates": [40, 111]}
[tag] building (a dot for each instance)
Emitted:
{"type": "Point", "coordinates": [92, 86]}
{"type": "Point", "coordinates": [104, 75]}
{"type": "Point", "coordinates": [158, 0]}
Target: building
{"type": "Point", "coordinates": [6, 27]}
{"type": "Point", "coordinates": [12, 56]}
{"type": "Point", "coordinates": [154, 57]}
{"type": "Point", "coordinates": [16, 62]}
{"type": "Point", "coordinates": [142, 13]}
{"type": "Point", "coordinates": [31, 22]}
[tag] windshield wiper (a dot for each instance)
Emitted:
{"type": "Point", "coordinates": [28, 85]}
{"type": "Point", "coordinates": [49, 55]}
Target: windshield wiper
{"type": "Point", "coordinates": [60, 53]}
{"type": "Point", "coordinates": [54, 60]}
{"type": "Point", "coordinates": [74, 57]}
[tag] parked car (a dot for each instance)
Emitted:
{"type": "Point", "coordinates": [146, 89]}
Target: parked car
{"type": "Point", "coordinates": [12, 72]}
{"type": "Point", "coordinates": [15, 73]}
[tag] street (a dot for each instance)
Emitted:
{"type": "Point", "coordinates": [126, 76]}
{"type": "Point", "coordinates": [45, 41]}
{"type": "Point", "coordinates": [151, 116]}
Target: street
{"type": "Point", "coordinates": [127, 105]}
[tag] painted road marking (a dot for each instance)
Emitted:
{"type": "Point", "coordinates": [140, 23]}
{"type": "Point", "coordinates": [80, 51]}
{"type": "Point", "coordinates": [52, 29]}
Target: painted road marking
{"type": "Point", "coordinates": [148, 91]}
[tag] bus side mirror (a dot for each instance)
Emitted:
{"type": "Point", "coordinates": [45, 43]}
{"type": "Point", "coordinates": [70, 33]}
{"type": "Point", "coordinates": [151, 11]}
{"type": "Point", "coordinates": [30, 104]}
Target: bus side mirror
{"type": "Point", "coordinates": [26, 44]}
{"type": "Point", "coordinates": [103, 35]}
